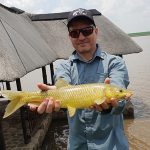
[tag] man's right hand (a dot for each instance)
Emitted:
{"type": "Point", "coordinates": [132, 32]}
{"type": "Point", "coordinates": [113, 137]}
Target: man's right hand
{"type": "Point", "coordinates": [49, 104]}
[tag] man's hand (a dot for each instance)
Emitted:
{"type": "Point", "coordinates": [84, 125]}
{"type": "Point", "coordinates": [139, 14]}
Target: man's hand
{"type": "Point", "coordinates": [49, 104]}
{"type": "Point", "coordinates": [105, 105]}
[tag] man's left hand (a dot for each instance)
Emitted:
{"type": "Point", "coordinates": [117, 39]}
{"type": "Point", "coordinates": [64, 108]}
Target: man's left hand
{"type": "Point", "coordinates": [105, 105]}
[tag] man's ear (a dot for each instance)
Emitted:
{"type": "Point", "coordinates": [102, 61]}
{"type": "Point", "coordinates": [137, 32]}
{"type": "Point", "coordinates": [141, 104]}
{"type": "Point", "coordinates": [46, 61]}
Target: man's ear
{"type": "Point", "coordinates": [97, 30]}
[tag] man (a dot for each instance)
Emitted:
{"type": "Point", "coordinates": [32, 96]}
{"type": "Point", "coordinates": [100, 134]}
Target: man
{"type": "Point", "coordinates": [101, 127]}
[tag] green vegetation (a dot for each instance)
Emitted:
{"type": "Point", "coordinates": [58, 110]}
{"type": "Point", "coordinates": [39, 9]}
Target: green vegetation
{"type": "Point", "coordinates": [139, 34]}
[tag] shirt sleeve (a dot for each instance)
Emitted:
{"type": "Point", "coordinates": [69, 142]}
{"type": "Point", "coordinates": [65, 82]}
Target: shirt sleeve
{"type": "Point", "coordinates": [62, 70]}
{"type": "Point", "coordinates": [118, 75]}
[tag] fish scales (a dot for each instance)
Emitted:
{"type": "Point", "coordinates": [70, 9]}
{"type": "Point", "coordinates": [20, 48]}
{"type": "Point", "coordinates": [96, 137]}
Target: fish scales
{"type": "Point", "coordinates": [79, 96]}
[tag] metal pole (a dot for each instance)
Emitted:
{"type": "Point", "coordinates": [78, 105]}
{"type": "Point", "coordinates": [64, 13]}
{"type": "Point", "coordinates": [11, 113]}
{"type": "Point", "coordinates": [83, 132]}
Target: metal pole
{"type": "Point", "coordinates": [44, 75]}
{"type": "Point", "coordinates": [18, 83]}
{"type": "Point", "coordinates": [52, 73]}
{"type": "Point", "coordinates": [27, 137]}
{"type": "Point", "coordinates": [8, 85]}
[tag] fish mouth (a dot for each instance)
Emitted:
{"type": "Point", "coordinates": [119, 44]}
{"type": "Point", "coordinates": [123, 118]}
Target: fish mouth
{"type": "Point", "coordinates": [129, 94]}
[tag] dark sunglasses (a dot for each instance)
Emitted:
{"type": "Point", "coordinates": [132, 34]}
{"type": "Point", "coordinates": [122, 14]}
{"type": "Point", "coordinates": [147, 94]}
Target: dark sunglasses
{"type": "Point", "coordinates": [85, 31]}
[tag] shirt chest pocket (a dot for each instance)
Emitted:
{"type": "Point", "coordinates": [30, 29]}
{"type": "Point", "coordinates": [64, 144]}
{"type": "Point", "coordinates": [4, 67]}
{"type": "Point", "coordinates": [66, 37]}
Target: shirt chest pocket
{"type": "Point", "coordinates": [97, 78]}
{"type": "Point", "coordinates": [92, 73]}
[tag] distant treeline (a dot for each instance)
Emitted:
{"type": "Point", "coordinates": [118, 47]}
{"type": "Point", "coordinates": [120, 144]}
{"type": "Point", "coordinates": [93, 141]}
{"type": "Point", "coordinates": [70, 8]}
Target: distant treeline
{"type": "Point", "coordinates": [139, 34]}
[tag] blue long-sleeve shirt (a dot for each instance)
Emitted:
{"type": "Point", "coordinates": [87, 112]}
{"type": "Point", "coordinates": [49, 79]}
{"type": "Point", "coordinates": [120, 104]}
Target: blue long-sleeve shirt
{"type": "Point", "coordinates": [90, 129]}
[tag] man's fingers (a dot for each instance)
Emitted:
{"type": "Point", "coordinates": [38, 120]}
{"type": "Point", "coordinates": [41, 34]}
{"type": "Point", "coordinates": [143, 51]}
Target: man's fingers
{"type": "Point", "coordinates": [50, 105]}
{"type": "Point", "coordinates": [32, 107]}
{"type": "Point", "coordinates": [42, 107]}
{"type": "Point", "coordinates": [98, 108]}
{"type": "Point", "coordinates": [104, 105]}
{"type": "Point", "coordinates": [45, 87]}
{"type": "Point", "coordinates": [57, 105]}
{"type": "Point", "coordinates": [107, 81]}
{"type": "Point", "coordinates": [114, 102]}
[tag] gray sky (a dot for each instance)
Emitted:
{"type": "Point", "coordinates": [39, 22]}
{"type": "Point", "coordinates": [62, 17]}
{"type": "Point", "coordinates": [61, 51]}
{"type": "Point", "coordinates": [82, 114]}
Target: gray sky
{"type": "Point", "coordinates": [129, 15]}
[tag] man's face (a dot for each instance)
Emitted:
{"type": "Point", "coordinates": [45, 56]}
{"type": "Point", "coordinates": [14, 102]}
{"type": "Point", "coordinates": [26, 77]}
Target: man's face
{"type": "Point", "coordinates": [82, 42]}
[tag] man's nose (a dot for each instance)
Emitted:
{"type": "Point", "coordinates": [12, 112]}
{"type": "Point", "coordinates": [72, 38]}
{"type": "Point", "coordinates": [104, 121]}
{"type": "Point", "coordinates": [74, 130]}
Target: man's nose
{"type": "Point", "coordinates": [81, 36]}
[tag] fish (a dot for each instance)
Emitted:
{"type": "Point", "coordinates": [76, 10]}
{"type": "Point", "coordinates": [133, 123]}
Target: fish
{"type": "Point", "coordinates": [71, 97]}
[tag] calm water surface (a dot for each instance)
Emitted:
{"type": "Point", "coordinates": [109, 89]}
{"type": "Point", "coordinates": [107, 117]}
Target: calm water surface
{"type": "Point", "coordinates": [137, 129]}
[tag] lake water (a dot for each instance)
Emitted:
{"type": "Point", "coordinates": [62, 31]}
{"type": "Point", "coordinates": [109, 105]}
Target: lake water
{"type": "Point", "coordinates": [137, 129]}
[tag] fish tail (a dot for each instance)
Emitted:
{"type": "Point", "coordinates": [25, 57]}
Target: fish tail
{"type": "Point", "coordinates": [16, 101]}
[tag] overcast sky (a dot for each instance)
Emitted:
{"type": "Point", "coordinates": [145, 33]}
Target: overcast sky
{"type": "Point", "coordinates": [129, 15]}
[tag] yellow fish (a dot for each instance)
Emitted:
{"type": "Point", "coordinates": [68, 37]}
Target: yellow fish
{"type": "Point", "coordinates": [70, 96]}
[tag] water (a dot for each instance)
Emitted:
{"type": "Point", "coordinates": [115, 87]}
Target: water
{"type": "Point", "coordinates": [137, 129]}
{"type": "Point", "coordinates": [57, 135]}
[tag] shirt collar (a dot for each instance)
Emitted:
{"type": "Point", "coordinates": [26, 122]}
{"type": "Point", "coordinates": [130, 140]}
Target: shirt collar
{"type": "Point", "coordinates": [98, 54]}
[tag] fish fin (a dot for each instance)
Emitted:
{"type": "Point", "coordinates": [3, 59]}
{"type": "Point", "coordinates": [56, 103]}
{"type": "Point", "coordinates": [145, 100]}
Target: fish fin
{"type": "Point", "coordinates": [99, 101]}
{"type": "Point", "coordinates": [61, 83]}
{"type": "Point", "coordinates": [16, 101]}
{"type": "Point", "coordinates": [12, 107]}
{"type": "Point", "coordinates": [71, 111]}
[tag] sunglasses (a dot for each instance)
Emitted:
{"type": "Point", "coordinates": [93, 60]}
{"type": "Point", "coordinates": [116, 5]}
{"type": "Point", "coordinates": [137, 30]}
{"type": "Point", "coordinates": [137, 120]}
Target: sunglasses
{"type": "Point", "coordinates": [85, 31]}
